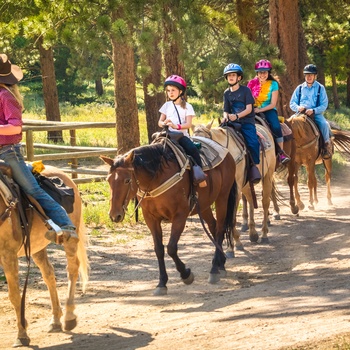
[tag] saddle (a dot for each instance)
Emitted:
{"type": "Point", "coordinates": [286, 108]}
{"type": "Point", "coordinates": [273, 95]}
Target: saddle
{"type": "Point", "coordinates": [211, 153]}
{"type": "Point", "coordinates": [286, 130]}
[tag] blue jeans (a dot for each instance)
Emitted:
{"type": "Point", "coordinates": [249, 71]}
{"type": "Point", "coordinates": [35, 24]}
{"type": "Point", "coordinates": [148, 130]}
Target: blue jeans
{"type": "Point", "coordinates": [11, 154]}
{"type": "Point", "coordinates": [275, 126]}
{"type": "Point", "coordinates": [251, 138]}
{"type": "Point", "coordinates": [323, 125]}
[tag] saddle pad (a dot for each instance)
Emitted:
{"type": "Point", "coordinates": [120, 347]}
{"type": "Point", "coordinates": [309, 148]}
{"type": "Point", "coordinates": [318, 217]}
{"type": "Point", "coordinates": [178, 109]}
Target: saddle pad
{"type": "Point", "coordinates": [286, 131]}
{"type": "Point", "coordinates": [263, 136]}
{"type": "Point", "coordinates": [212, 153]}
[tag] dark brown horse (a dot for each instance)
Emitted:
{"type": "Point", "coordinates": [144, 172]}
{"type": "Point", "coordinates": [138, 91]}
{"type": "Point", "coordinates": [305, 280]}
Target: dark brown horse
{"type": "Point", "coordinates": [164, 190]}
{"type": "Point", "coordinates": [308, 154]}
{"type": "Point", "coordinates": [11, 246]}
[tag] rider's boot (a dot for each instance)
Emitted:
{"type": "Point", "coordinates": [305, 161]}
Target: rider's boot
{"type": "Point", "coordinates": [199, 177]}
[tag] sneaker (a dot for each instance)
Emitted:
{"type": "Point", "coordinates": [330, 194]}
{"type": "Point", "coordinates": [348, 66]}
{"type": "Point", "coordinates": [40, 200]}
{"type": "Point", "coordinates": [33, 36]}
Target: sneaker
{"type": "Point", "coordinates": [283, 158]}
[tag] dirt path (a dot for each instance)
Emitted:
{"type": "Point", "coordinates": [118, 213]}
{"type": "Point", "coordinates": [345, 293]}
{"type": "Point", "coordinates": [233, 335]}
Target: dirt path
{"type": "Point", "coordinates": [290, 294]}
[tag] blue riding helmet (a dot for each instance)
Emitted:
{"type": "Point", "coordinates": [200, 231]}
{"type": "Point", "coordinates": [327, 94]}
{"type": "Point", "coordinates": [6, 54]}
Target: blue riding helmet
{"type": "Point", "coordinates": [233, 68]}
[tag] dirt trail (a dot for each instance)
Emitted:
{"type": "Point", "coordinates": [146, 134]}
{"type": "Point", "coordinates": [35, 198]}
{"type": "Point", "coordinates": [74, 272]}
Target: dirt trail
{"type": "Point", "coordinates": [290, 294]}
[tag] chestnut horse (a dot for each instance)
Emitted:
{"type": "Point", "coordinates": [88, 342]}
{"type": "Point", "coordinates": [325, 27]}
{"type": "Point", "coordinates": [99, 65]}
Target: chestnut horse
{"type": "Point", "coordinates": [308, 153]}
{"type": "Point", "coordinates": [11, 247]}
{"type": "Point", "coordinates": [164, 190]}
{"type": "Point", "coordinates": [266, 167]}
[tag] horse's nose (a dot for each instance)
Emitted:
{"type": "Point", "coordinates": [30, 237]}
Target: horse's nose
{"type": "Point", "coordinates": [116, 218]}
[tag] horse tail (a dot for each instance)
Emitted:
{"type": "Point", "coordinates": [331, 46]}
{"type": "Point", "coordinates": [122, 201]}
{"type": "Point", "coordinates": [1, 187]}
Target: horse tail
{"type": "Point", "coordinates": [230, 213]}
{"type": "Point", "coordinates": [82, 254]}
{"type": "Point", "coordinates": [342, 140]}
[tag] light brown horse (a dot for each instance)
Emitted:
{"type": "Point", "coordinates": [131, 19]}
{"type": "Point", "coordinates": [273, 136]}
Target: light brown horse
{"type": "Point", "coordinates": [11, 248]}
{"type": "Point", "coordinates": [308, 154]}
{"type": "Point", "coordinates": [267, 167]}
{"type": "Point", "coordinates": [164, 190]}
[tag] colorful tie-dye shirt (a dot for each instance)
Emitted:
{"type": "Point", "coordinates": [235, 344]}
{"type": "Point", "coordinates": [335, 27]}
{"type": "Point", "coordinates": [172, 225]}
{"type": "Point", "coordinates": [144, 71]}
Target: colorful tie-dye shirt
{"type": "Point", "coordinates": [262, 93]}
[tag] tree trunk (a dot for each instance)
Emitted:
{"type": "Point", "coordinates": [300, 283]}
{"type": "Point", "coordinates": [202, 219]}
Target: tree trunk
{"type": "Point", "coordinates": [348, 90]}
{"type": "Point", "coordinates": [127, 124]}
{"type": "Point", "coordinates": [172, 48]}
{"type": "Point", "coordinates": [287, 34]}
{"type": "Point", "coordinates": [155, 101]}
{"type": "Point", "coordinates": [335, 92]}
{"type": "Point", "coordinates": [50, 91]}
{"type": "Point", "coordinates": [247, 22]}
{"type": "Point", "coordinates": [99, 86]}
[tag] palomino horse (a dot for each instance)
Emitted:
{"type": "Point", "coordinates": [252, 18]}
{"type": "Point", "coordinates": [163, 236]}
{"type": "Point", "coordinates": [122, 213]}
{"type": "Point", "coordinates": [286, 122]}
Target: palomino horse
{"type": "Point", "coordinates": [267, 165]}
{"type": "Point", "coordinates": [11, 246]}
{"type": "Point", "coordinates": [164, 190]}
{"type": "Point", "coordinates": [308, 153]}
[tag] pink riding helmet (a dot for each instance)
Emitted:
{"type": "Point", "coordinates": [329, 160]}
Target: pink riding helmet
{"type": "Point", "coordinates": [263, 65]}
{"type": "Point", "coordinates": [177, 81]}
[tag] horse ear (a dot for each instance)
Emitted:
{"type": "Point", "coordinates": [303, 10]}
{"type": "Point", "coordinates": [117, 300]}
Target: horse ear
{"type": "Point", "coordinates": [107, 160]}
{"type": "Point", "coordinates": [209, 125]}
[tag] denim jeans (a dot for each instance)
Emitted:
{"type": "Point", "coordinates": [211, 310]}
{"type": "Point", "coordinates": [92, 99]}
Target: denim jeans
{"type": "Point", "coordinates": [11, 154]}
{"type": "Point", "coordinates": [275, 126]}
{"type": "Point", "coordinates": [323, 125]}
{"type": "Point", "coordinates": [249, 133]}
{"type": "Point", "coordinates": [191, 149]}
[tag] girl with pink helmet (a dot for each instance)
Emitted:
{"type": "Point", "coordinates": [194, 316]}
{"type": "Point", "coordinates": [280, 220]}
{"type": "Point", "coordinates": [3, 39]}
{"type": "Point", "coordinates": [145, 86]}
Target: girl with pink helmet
{"type": "Point", "coordinates": [177, 115]}
{"type": "Point", "coordinates": [264, 88]}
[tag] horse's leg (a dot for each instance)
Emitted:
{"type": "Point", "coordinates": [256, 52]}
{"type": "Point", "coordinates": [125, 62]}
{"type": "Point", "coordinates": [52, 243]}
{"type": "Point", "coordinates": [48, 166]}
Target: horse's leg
{"type": "Point", "coordinates": [9, 263]}
{"type": "Point", "coordinates": [276, 208]}
{"type": "Point", "coordinates": [157, 235]}
{"type": "Point", "coordinates": [41, 260]}
{"type": "Point", "coordinates": [71, 247]}
{"type": "Point", "coordinates": [244, 226]}
{"type": "Point", "coordinates": [177, 227]}
{"type": "Point", "coordinates": [253, 234]}
{"type": "Point", "coordinates": [300, 204]}
{"type": "Point", "coordinates": [328, 175]}
{"type": "Point", "coordinates": [235, 242]}
{"type": "Point", "coordinates": [266, 196]}
{"type": "Point", "coordinates": [312, 185]}
{"type": "Point", "coordinates": [218, 263]}
{"type": "Point", "coordinates": [291, 180]}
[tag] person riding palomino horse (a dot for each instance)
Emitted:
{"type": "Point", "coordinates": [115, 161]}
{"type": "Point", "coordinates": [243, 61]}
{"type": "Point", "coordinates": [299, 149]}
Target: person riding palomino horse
{"type": "Point", "coordinates": [310, 98]}
{"type": "Point", "coordinates": [264, 88]}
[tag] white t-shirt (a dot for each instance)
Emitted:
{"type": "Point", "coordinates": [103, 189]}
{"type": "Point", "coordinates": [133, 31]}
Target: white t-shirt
{"type": "Point", "coordinates": [169, 110]}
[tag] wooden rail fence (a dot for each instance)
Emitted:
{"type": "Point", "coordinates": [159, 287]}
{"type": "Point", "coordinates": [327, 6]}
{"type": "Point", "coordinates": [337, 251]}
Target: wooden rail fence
{"type": "Point", "coordinates": [72, 152]}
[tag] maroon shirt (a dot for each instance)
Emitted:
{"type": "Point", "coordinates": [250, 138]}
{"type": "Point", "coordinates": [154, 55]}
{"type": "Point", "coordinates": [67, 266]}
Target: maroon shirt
{"type": "Point", "coordinates": [10, 113]}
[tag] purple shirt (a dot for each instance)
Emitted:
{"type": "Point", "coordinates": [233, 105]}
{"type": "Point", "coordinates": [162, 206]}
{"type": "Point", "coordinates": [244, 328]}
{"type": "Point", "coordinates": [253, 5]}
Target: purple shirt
{"type": "Point", "coordinates": [10, 113]}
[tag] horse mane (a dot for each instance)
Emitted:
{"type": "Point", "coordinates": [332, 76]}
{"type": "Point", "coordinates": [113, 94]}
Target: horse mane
{"type": "Point", "coordinates": [148, 158]}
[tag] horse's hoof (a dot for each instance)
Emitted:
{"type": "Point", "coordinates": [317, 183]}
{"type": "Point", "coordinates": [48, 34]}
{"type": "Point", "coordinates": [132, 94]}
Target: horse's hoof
{"type": "Point", "coordinates": [295, 210]}
{"type": "Point", "coordinates": [214, 278]}
{"type": "Point", "coordinates": [230, 254]}
{"type": "Point", "coordinates": [223, 273]}
{"type": "Point", "coordinates": [160, 291]}
{"type": "Point", "coordinates": [70, 324]}
{"type": "Point", "coordinates": [311, 207]}
{"type": "Point", "coordinates": [277, 216]}
{"type": "Point", "coordinates": [189, 279]}
{"type": "Point", "coordinates": [55, 328]}
{"type": "Point", "coordinates": [301, 206]}
{"type": "Point", "coordinates": [244, 228]}
{"type": "Point", "coordinates": [265, 240]}
{"type": "Point", "coordinates": [240, 247]}
{"type": "Point", "coordinates": [254, 237]}
{"type": "Point", "coordinates": [21, 342]}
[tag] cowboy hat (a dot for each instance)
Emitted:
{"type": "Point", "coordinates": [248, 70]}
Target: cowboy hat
{"type": "Point", "coordinates": [9, 73]}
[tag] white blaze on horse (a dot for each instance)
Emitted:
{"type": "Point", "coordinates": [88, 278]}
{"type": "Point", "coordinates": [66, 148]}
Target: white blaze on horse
{"type": "Point", "coordinates": [11, 247]}
{"type": "Point", "coordinates": [227, 138]}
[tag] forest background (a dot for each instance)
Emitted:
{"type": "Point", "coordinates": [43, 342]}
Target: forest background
{"type": "Point", "coordinates": [65, 47]}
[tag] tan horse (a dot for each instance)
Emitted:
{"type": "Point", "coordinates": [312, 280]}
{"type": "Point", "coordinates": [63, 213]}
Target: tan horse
{"type": "Point", "coordinates": [267, 167]}
{"type": "Point", "coordinates": [11, 248]}
{"type": "Point", "coordinates": [308, 153]}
